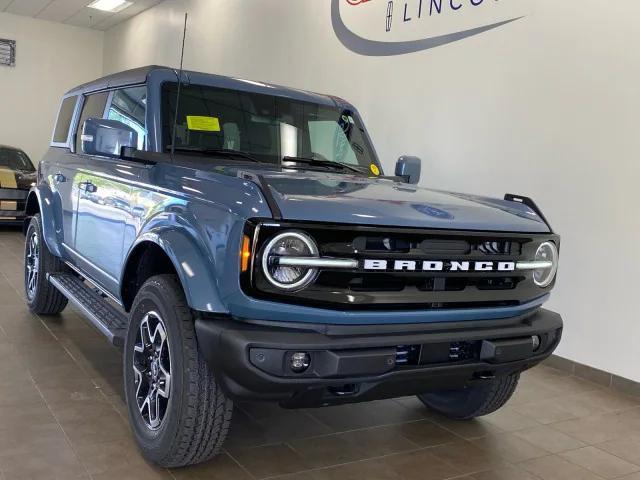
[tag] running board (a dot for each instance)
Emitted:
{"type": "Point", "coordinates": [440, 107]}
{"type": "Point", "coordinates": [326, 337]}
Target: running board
{"type": "Point", "coordinates": [103, 316]}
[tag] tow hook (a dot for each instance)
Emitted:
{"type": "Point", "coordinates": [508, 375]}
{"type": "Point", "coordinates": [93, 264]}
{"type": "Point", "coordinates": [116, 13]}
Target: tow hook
{"type": "Point", "coordinates": [343, 390]}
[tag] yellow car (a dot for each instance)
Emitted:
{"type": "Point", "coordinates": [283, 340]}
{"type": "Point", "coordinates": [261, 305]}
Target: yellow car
{"type": "Point", "coordinates": [17, 175]}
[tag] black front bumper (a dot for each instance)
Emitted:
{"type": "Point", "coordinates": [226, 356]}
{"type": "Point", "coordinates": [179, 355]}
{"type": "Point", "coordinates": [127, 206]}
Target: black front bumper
{"type": "Point", "coordinates": [12, 206]}
{"type": "Point", "coordinates": [359, 363]}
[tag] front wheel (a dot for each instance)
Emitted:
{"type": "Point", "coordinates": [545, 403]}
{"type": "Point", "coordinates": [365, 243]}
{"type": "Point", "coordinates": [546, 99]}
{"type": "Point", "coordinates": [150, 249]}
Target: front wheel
{"type": "Point", "coordinates": [42, 297]}
{"type": "Point", "coordinates": [474, 401]}
{"type": "Point", "coordinates": [178, 412]}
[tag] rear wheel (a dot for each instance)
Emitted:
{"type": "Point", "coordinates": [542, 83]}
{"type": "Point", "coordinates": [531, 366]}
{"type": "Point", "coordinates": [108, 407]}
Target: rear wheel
{"type": "Point", "coordinates": [474, 401]}
{"type": "Point", "coordinates": [178, 412]}
{"type": "Point", "coordinates": [42, 297]}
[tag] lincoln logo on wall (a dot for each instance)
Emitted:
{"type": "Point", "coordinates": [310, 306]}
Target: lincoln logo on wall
{"type": "Point", "coordinates": [397, 27]}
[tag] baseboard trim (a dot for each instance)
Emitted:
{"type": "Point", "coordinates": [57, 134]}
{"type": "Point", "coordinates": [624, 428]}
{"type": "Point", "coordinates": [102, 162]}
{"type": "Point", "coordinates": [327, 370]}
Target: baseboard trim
{"type": "Point", "coordinates": [601, 377]}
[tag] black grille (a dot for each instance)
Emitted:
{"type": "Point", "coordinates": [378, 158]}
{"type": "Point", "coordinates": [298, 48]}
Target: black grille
{"type": "Point", "coordinates": [365, 289]}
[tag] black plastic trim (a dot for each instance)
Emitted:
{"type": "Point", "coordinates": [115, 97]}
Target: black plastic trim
{"type": "Point", "coordinates": [227, 343]}
{"type": "Point", "coordinates": [268, 196]}
{"type": "Point", "coordinates": [510, 197]}
{"type": "Point", "coordinates": [340, 330]}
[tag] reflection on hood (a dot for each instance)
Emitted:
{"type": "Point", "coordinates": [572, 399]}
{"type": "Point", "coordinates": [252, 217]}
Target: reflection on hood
{"type": "Point", "coordinates": [339, 198]}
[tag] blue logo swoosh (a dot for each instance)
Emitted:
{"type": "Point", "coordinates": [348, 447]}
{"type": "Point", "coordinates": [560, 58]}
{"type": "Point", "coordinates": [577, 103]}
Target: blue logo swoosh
{"type": "Point", "coordinates": [363, 46]}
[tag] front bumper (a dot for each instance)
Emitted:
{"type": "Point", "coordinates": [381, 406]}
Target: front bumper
{"type": "Point", "coordinates": [367, 362]}
{"type": "Point", "coordinates": [12, 205]}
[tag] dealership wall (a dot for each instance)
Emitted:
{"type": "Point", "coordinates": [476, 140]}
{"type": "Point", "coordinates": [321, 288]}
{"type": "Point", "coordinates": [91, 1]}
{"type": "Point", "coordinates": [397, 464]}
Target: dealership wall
{"type": "Point", "coordinates": [545, 106]}
{"type": "Point", "coordinates": [51, 59]}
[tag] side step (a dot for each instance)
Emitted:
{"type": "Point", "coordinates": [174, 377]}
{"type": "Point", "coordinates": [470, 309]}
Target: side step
{"type": "Point", "coordinates": [98, 311]}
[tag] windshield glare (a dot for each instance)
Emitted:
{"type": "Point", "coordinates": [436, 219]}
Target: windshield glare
{"type": "Point", "coordinates": [15, 160]}
{"type": "Point", "coordinates": [264, 126]}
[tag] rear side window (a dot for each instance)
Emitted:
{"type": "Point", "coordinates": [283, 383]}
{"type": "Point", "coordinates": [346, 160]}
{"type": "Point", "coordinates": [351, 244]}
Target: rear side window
{"type": "Point", "coordinates": [93, 107]}
{"type": "Point", "coordinates": [129, 106]}
{"type": "Point", "coordinates": [61, 132]}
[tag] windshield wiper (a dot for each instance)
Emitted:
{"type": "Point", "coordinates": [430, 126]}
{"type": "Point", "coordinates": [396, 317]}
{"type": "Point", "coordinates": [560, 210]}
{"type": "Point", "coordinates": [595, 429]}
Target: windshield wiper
{"type": "Point", "coordinates": [219, 151]}
{"type": "Point", "coordinates": [321, 163]}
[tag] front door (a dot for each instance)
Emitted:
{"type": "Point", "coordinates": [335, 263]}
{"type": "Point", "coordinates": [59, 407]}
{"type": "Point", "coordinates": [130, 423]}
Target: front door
{"type": "Point", "coordinates": [100, 214]}
{"type": "Point", "coordinates": [105, 211]}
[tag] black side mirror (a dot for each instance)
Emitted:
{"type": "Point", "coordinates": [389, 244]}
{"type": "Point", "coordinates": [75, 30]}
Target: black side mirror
{"type": "Point", "coordinates": [107, 137]}
{"type": "Point", "coordinates": [409, 169]}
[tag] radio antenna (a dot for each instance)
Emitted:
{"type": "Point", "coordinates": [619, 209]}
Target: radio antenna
{"type": "Point", "coordinates": [175, 116]}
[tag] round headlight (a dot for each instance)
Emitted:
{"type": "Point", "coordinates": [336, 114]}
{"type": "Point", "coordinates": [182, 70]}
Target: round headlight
{"type": "Point", "coordinates": [289, 244]}
{"type": "Point", "coordinates": [547, 252]}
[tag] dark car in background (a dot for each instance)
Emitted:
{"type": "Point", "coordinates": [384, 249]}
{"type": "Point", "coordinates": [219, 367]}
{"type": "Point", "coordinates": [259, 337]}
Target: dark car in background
{"type": "Point", "coordinates": [17, 176]}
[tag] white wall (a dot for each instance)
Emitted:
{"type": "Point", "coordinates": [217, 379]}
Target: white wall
{"type": "Point", "coordinates": [51, 59]}
{"type": "Point", "coordinates": [548, 106]}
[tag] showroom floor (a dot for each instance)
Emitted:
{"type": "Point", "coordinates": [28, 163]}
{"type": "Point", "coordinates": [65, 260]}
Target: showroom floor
{"type": "Point", "coordinates": [62, 416]}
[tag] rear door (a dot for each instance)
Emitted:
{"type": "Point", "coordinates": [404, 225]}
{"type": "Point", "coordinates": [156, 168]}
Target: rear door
{"type": "Point", "coordinates": [57, 167]}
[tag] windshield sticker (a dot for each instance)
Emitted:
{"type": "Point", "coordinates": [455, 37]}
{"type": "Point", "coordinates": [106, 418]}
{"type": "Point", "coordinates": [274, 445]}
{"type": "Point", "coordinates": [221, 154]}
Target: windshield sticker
{"type": "Point", "coordinates": [203, 124]}
{"type": "Point", "coordinates": [374, 169]}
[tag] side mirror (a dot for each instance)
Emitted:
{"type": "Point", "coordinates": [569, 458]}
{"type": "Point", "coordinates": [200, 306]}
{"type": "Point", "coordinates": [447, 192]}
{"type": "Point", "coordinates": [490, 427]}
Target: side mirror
{"type": "Point", "coordinates": [409, 169]}
{"type": "Point", "coordinates": [107, 137]}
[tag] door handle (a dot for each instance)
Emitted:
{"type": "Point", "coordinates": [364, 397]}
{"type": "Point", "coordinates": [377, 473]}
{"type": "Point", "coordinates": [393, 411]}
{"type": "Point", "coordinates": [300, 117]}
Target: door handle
{"type": "Point", "coordinates": [87, 187]}
{"type": "Point", "coordinates": [59, 178]}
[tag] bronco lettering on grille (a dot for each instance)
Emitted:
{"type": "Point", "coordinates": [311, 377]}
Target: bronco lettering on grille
{"type": "Point", "coordinates": [439, 266]}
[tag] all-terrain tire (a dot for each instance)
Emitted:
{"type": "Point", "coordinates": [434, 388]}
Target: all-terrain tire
{"type": "Point", "coordinates": [42, 297]}
{"type": "Point", "coordinates": [198, 413]}
{"type": "Point", "coordinates": [474, 401]}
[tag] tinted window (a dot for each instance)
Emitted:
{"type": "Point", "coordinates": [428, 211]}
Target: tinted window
{"type": "Point", "coordinates": [93, 108]}
{"type": "Point", "coordinates": [15, 160]}
{"type": "Point", "coordinates": [266, 127]}
{"type": "Point", "coordinates": [61, 132]}
{"type": "Point", "coordinates": [129, 106]}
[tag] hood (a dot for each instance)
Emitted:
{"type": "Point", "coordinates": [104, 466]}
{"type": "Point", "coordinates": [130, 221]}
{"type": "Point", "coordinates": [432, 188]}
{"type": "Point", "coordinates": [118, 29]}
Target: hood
{"type": "Point", "coordinates": [16, 178]}
{"type": "Point", "coordinates": [338, 198]}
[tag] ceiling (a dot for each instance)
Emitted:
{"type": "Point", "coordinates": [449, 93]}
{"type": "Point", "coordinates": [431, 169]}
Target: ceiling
{"type": "Point", "coordinates": [74, 12]}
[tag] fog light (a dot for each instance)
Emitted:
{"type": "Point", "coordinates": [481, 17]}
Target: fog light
{"type": "Point", "coordinates": [535, 340]}
{"type": "Point", "coordinates": [299, 362]}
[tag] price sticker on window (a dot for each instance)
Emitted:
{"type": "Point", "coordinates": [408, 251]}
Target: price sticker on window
{"type": "Point", "coordinates": [374, 169]}
{"type": "Point", "coordinates": [203, 124]}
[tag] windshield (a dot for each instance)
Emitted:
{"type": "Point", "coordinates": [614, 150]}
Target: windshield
{"type": "Point", "coordinates": [15, 160]}
{"type": "Point", "coordinates": [268, 128]}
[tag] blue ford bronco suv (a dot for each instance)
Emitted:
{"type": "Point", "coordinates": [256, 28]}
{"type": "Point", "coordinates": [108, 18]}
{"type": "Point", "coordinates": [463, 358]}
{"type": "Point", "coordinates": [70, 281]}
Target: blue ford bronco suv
{"type": "Point", "coordinates": [240, 241]}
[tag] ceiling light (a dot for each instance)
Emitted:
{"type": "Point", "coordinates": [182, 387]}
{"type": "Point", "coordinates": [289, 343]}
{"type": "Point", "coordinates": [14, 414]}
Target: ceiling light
{"type": "Point", "coordinates": [112, 6]}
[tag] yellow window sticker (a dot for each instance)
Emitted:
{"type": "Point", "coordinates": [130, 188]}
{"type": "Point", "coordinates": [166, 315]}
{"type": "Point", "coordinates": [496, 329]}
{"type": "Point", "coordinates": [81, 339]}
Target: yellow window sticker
{"type": "Point", "coordinates": [374, 169]}
{"type": "Point", "coordinates": [203, 124]}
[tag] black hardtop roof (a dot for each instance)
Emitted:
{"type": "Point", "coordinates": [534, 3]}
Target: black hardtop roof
{"type": "Point", "coordinates": [143, 75]}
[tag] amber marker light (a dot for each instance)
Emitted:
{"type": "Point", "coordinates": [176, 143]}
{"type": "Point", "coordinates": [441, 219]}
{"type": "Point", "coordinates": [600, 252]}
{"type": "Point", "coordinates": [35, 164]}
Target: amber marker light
{"type": "Point", "coordinates": [245, 253]}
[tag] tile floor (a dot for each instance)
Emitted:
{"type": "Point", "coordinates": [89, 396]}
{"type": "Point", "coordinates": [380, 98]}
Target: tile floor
{"type": "Point", "coordinates": [62, 416]}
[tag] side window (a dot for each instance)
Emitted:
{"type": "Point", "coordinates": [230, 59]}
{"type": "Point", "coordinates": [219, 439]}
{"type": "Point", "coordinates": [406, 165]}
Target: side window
{"type": "Point", "coordinates": [129, 106]}
{"type": "Point", "coordinates": [61, 132]}
{"type": "Point", "coordinates": [93, 107]}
